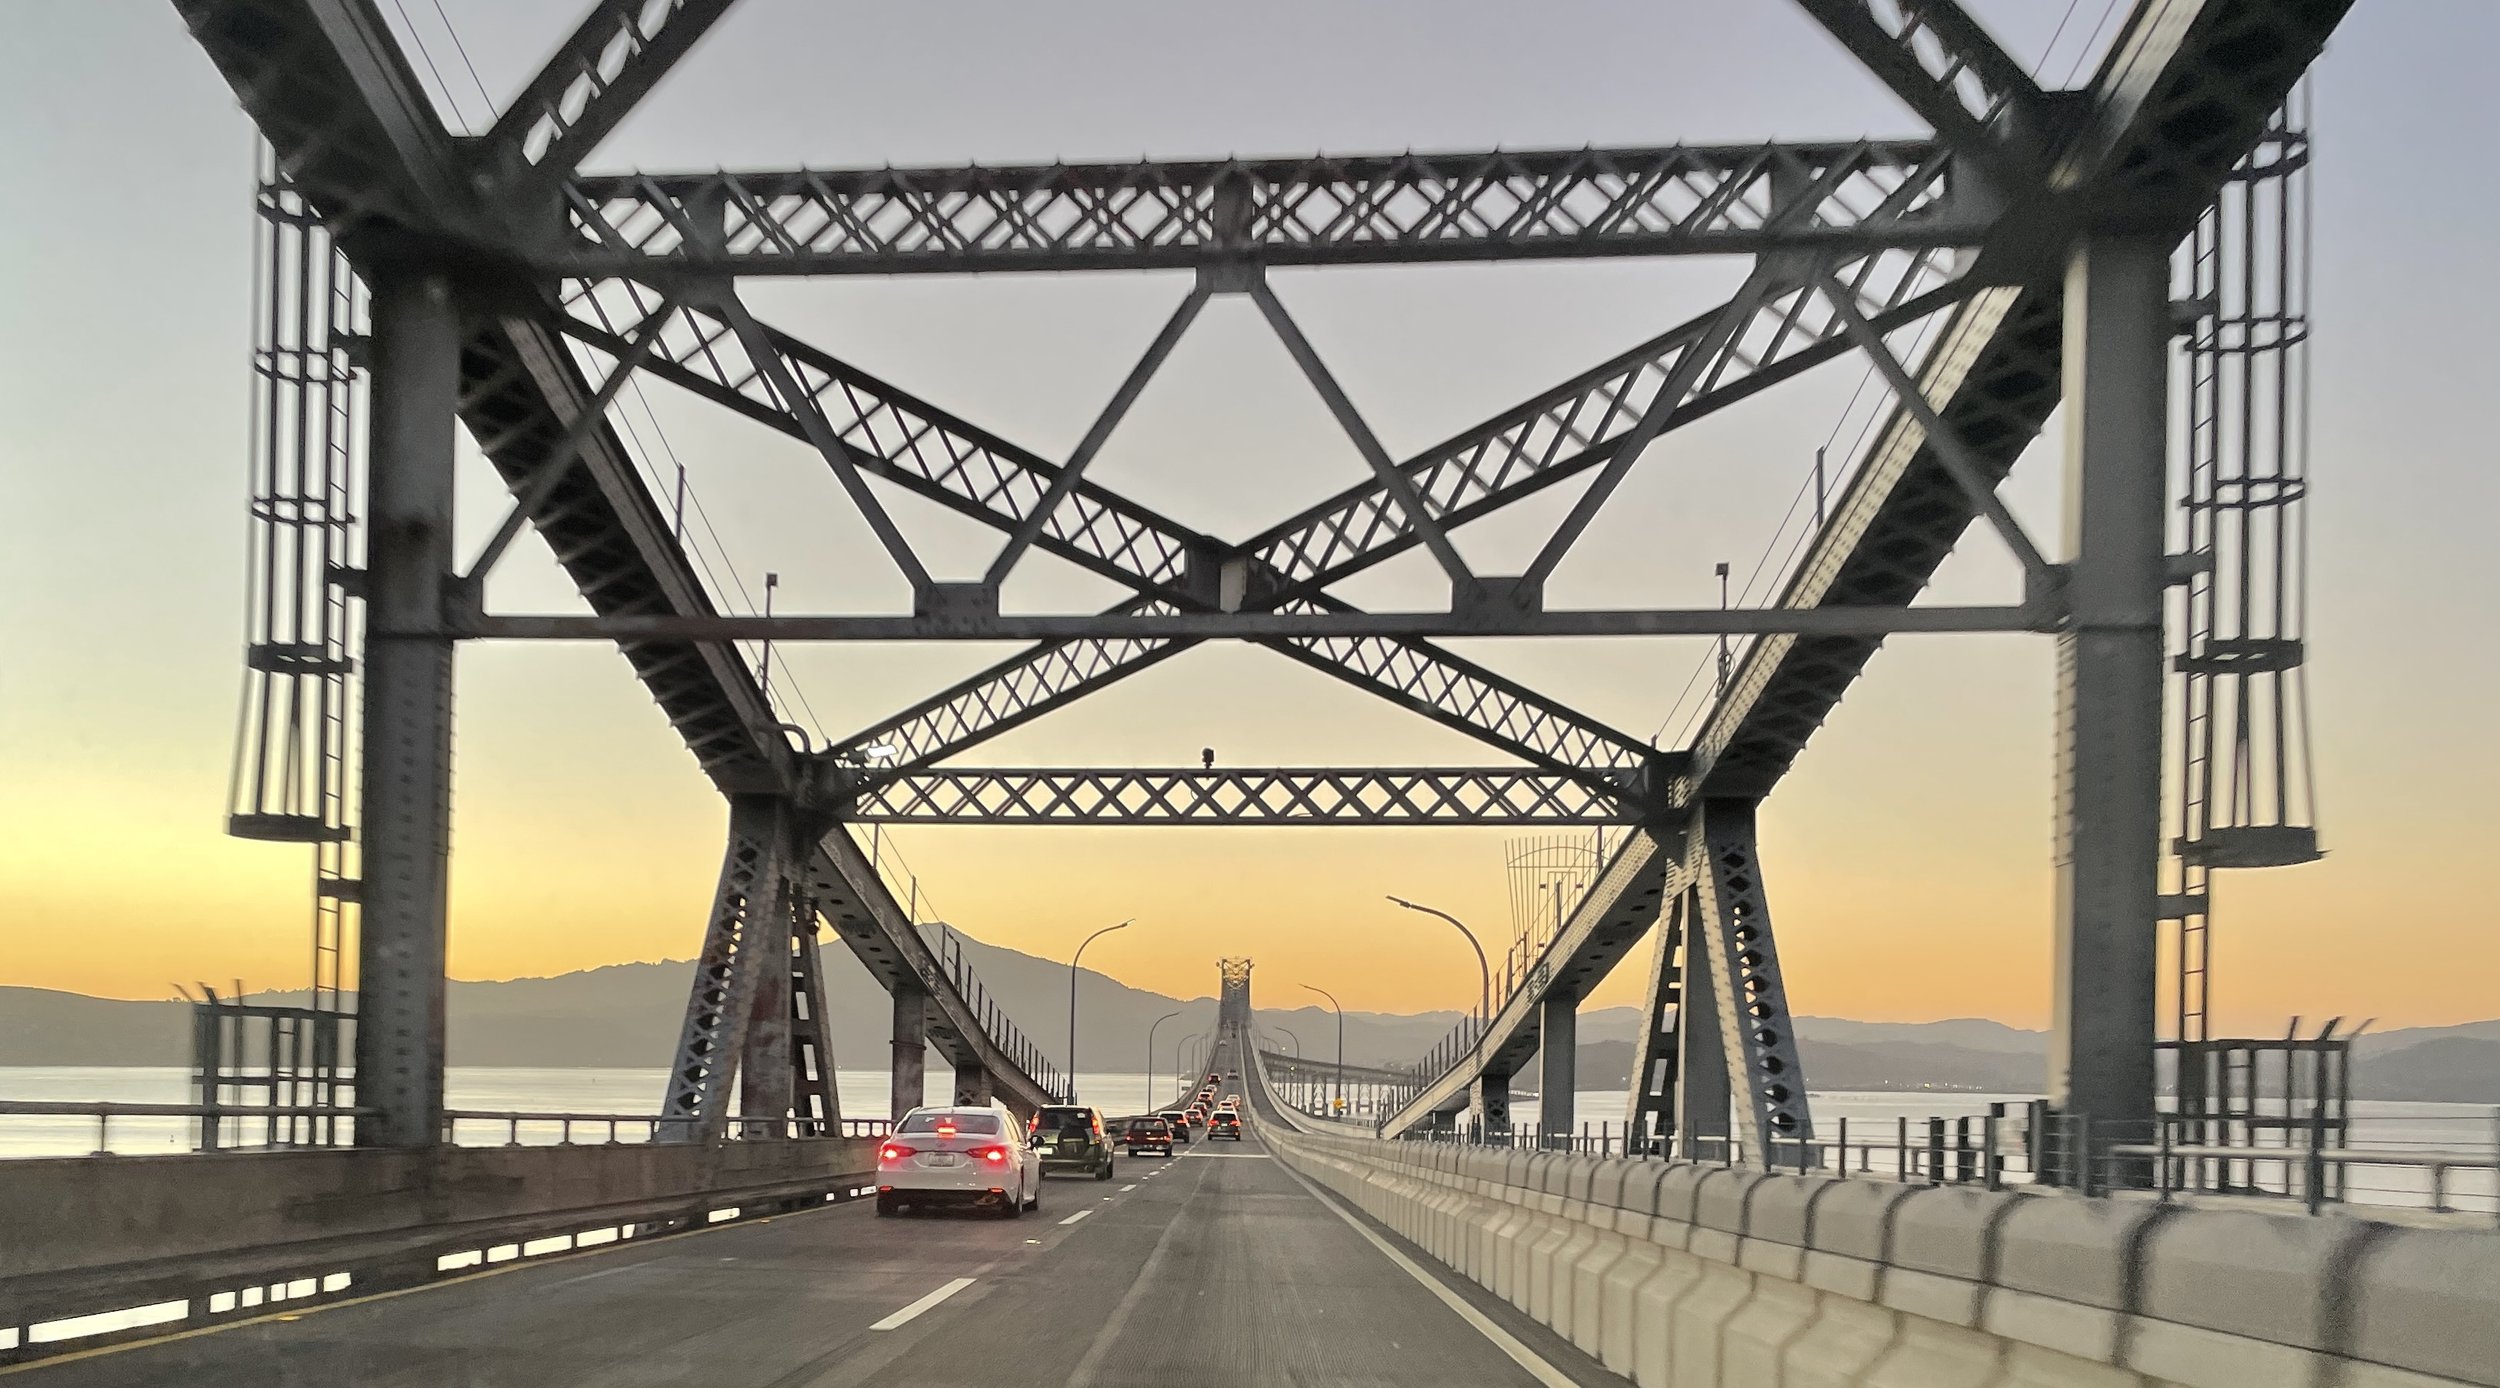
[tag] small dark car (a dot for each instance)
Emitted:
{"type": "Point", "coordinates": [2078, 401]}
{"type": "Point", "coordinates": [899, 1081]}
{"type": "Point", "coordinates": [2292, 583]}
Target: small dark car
{"type": "Point", "coordinates": [1069, 1137]}
{"type": "Point", "coordinates": [1226, 1125]}
{"type": "Point", "coordinates": [1148, 1135]}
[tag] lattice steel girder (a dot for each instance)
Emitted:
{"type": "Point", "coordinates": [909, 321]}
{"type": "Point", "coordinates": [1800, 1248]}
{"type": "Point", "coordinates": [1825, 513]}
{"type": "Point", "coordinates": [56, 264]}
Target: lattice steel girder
{"type": "Point", "coordinates": [1319, 210]}
{"type": "Point", "coordinates": [1310, 626]}
{"type": "Point", "coordinates": [1536, 444]}
{"type": "Point", "coordinates": [1945, 67]}
{"type": "Point", "coordinates": [612, 60]}
{"type": "Point", "coordinates": [1187, 795]}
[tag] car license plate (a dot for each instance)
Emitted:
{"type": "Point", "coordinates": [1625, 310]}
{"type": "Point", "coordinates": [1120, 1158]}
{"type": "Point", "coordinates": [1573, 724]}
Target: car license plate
{"type": "Point", "coordinates": [942, 1159]}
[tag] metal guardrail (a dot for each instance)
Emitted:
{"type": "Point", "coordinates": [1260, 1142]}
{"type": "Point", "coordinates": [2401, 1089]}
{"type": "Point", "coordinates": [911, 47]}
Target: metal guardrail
{"type": "Point", "coordinates": [553, 1128]}
{"type": "Point", "coordinates": [2156, 1161]}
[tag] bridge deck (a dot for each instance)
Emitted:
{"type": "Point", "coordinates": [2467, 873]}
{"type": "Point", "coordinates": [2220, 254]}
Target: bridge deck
{"type": "Point", "coordinates": [1217, 1268]}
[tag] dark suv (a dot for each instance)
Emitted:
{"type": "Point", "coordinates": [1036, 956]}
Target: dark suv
{"type": "Point", "coordinates": [1224, 1124]}
{"type": "Point", "coordinates": [1069, 1137]}
{"type": "Point", "coordinates": [1148, 1135]}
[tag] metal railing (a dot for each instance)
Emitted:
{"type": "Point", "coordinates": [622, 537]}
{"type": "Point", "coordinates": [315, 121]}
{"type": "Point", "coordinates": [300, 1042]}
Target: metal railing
{"type": "Point", "coordinates": [2452, 1170]}
{"type": "Point", "coordinates": [463, 1127]}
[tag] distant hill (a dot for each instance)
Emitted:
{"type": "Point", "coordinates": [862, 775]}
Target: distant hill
{"type": "Point", "coordinates": [628, 1014]}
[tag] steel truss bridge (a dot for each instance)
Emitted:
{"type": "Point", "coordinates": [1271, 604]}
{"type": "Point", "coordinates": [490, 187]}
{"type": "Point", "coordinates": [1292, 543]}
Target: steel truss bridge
{"type": "Point", "coordinates": [491, 285]}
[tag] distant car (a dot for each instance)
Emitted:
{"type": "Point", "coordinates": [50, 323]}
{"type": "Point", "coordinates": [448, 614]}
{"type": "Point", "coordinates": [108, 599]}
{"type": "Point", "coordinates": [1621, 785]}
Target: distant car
{"type": "Point", "coordinates": [1179, 1119]}
{"type": "Point", "coordinates": [1069, 1137]}
{"type": "Point", "coordinates": [1148, 1135]}
{"type": "Point", "coordinates": [1226, 1126]}
{"type": "Point", "coordinates": [963, 1155]}
{"type": "Point", "coordinates": [1232, 1101]}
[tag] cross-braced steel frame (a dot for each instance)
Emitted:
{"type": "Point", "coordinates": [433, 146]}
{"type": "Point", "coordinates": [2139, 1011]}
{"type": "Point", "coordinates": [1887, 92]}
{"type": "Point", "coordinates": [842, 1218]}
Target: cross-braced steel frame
{"type": "Point", "coordinates": [520, 296]}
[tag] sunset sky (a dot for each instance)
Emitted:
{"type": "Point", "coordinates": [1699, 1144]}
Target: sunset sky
{"type": "Point", "coordinates": [1907, 856]}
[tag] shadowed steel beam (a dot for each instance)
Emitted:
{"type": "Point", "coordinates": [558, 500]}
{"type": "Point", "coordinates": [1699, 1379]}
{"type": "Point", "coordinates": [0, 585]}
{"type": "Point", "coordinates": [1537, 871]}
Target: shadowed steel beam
{"type": "Point", "coordinates": [620, 51]}
{"type": "Point", "coordinates": [1073, 470]}
{"type": "Point", "coordinates": [1680, 381]}
{"type": "Point", "coordinates": [1392, 479]}
{"type": "Point", "coordinates": [1314, 210]}
{"type": "Point", "coordinates": [837, 454]}
{"type": "Point", "coordinates": [1943, 66]}
{"type": "Point", "coordinates": [1696, 621]}
{"type": "Point", "coordinates": [1276, 796]}
{"type": "Point", "coordinates": [532, 495]}
{"type": "Point", "coordinates": [1956, 456]}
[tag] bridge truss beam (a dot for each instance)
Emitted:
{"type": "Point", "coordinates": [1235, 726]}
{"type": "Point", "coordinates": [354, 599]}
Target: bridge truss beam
{"type": "Point", "coordinates": [1321, 210]}
{"type": "Point", "coordinates": [1308, 796]}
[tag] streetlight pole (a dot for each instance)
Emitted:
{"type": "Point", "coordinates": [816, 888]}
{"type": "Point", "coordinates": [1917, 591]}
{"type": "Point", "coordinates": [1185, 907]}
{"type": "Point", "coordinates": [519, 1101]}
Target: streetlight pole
{"type": "Point", "coordinates": [1298, 1079]}
{"type": "Point", "coordinates": [1336, 1094]}
{"type": "Point", "coordinates": [1150, 1058]}
{"type": "Point", "coordinates": [1072, 960]}
{"type": "Point", "coordinates": [1484, 971]}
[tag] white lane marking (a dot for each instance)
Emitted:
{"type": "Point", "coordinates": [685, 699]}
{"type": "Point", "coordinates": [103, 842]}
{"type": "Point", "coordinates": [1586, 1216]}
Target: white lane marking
{"type": "Point", "coordinates": [1075, 1217]}
{"type": "Point", "coordinates": [1127, 1188]}
{"type": "Point", "coordinates": [1536, 1365]}
{"type": "Point", "coordinates": [905, 1316]}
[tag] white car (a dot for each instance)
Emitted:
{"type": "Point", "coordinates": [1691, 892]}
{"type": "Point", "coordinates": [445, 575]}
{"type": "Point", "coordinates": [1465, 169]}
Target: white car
{"type": "Point", "coordinates": [966, 1155]}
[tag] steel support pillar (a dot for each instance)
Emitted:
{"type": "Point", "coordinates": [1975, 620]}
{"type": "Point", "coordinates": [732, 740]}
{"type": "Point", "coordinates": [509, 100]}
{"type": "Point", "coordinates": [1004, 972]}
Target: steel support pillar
{"type": "Point", "coordinates": [2109, 684]}
{"type": "Point", "coordinates": [1558, 1067]}
{"type": "Point", "coordinates": [406, 769]}
{"type": "Point", "coordinates": [972, 1084]}
{"type": "Point", "coordinates": [1701, 1087]}
{"type": "Point", "coordinates": [1650, 1110]}
{"type": "Point", "coordinates": [911, 1050]}
{"type": "Point", "coordinates": [765, 1087]}
{"type": "Point", "coordinates": [1733, 928]}
{"type": "Point", "coordinates": [1488, 1104]}
{"type": "Point", "coordinates": [749, 926]}
{"type": "Point", "coordinates": [816, 1100]}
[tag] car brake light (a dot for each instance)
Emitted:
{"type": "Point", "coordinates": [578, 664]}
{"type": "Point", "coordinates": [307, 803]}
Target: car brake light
{"type": "Point", "coordinates": [895, 1151]}
{"type": "Point", "coordinates": [995, 1156]}
{"type": "Point", "coordinates": [946, 1130]}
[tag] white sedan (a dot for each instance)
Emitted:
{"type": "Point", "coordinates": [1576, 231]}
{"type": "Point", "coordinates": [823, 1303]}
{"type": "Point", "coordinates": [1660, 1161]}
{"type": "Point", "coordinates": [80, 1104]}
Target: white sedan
{"type": "Point", "coordinates": [969, 1155]}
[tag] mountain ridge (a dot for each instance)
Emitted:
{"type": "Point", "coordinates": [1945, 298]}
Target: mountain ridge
{"type": "Point", "coordinates": [627, 1014]}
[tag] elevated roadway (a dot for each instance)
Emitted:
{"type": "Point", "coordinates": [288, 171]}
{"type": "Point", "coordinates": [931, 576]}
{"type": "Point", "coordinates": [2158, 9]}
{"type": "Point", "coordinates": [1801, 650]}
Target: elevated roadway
{"type": "Point", "coordinates": [1217, 1267]}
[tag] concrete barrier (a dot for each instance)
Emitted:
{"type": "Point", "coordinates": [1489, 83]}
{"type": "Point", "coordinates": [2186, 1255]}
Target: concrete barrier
{"type": "Point", "coordinates": [1685, 1276]}
{"type": "Point", "coordinates": [87, 1234]}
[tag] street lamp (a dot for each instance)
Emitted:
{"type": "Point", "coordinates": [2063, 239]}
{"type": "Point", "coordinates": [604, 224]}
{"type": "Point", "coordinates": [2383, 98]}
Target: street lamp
{"type": "Point", "coordinates": [1181, 1049]}
{"type": "Point", "coordinates": [1150, 1057]}
{"type": "Point", "coordinates": [1337, 1092]}
{"type": "Point", "coordinates": [1080, 953]}
{"type": "Point", "coordinates": [1298, 1078]}
{"type": "Point", "coordinates": [1484, 971]}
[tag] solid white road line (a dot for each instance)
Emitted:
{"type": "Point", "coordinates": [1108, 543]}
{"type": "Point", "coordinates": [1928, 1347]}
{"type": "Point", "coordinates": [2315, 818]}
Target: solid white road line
{"type": "Point", "coordinates": [1075, 1217]}
{"type": "Point", "coordinates": [1127, 1188]}
{"type": "Point", "coordinates": [1536, 1365]}
{"type": "Point", "coordinates": [905, 1316]}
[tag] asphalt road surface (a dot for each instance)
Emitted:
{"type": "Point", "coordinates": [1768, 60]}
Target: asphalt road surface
{"type": "Point", "coordinates": [1214, 1268]}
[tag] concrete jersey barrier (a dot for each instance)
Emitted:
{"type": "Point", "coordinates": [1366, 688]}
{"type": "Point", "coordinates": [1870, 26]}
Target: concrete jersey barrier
{"type": "Point", "coordinates": [1687, 1276]}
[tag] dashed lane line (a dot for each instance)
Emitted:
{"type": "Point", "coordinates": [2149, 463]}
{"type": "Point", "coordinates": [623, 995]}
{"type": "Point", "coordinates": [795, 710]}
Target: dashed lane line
{"type": "Point", "coordinates": [1075, 1217]}
{"type": "Point", "coordinates": [909, 1313]}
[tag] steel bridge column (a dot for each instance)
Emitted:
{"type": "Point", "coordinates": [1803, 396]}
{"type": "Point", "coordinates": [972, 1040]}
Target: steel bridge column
{"type": "Point", "coordinates": [972, 1084]}
{"type": "Point", "coordinates": [765, 1082]}
{"type": "Point", "coordinates": [407, 711]}
{"type": "Point", "coordinates": [1702, 1093]}
{"type": "Point", "coordinates": [2109, 683]}
{"type": "Point", "coordinates": [911, 1049]}
{"type": "Point", "coordinates": [1488, 1103]}
{"type": "Point", "coordinates": [1558, 1067]}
